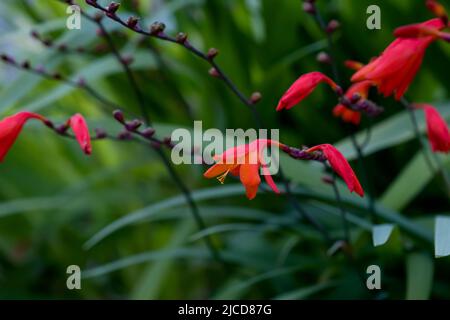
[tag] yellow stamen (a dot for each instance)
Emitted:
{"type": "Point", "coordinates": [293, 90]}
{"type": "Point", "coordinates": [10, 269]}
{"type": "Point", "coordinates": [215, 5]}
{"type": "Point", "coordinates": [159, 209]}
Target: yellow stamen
{"type": "Point", "coordinates": [222, 177]}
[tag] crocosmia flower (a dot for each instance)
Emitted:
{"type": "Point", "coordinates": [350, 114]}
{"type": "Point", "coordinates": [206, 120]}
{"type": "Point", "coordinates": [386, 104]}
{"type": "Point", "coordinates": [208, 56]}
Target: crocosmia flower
{"type": "Point", "coordinates": [81, 131]}
{"type": "Point", "coordinates": [341, 166]}
{"type": "Point", "coordinates": [437, 129]}
{"type": "Point", "coordinates": [10, 127]}
{"type": "Point", "coordinates": [302, 88]}
{"type": "Point", "coordinates": [244, 161]}
{"type": "Point", "coordinates": [347, 114]}
{"type": "Point", "coordinates": [395, 69]}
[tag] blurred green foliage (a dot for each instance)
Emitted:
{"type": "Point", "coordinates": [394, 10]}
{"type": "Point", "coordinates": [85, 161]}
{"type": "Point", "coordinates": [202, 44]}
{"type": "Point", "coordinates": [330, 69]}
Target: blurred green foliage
{"type": "Point", "coordinates": [53, 199]}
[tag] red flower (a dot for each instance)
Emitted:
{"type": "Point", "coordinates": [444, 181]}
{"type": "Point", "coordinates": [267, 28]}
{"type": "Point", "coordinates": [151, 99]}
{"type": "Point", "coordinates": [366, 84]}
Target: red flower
{"type": "Point", "coordinates": [81, 131]}
{"type": "Point", "coordinates": [347, 114]}
{"type": "Point", "coordinates": [10, 127]}
{"type": "Point", "coordinates": [303, 87]}
{"type": "Point", "coordinates": [244, 161]}
{"type": "Point", "coordinates": [340, 166]}
{"type": "Point", "coordinates": [395, 69]}
{"type": "Point", "coordinates": [437, 129]}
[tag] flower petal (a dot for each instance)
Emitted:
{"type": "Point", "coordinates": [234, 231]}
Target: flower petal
{"type": "Point", "coordinates": [81, 131]}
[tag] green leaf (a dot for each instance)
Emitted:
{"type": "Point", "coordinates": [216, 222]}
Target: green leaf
{"type": "Point", "coordinates": [381, 233]}
{"type": "Point", "coordinates": [442, 237]}
{"type": "Point", "coordinates": [419, 276]}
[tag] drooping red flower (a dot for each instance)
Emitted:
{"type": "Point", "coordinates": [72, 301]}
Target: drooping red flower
{"type": "Point", "coordinates": [244, 161]}
{"type": "Point", "coordinates": [11, 126]}
{"type": "Point", "coordinates": [350, 115]}
{"type": "Point", "coordinates": [341, 166]}
{"type": "Point", "coordinates": [437, 129]}
{"type": "Point", "coordinates": [394, 70]}
{"type": "Point", "coordinates": [81, 131]}
{"type": "Point", "coordinates": [302, 88]}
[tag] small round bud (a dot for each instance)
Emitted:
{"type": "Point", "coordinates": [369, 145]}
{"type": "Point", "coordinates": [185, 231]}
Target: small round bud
{"type": "Point", "coordinates": [35, 34]}
{"type": "Point", "coordinates": [212, 53]}
{"type": "Point", "coordinates": [132, 22]}
{"type": "Point", "coordinates": [214, 73]}
{"type": "Point", "coordinates": [255, 97]}
{"type": "Point", "coordinates": [323, 57]}
{"type": "Point", "coordinates": [26, 64]}
{"type": "Point", "coordinates": [148, 132]}
{"type": "Point", "coordinates": [62, 129]}
{"type": "Point", "coordinates": [181, 37]}
{"type": "Point", "coordinates": [355, 98]}
{"type": "Point", "coordinates": [157, 27]}
{"type": "Point", "coordinates": [124, 135]}
{"type": "Point", "coordinates": [168, 142]}
{"type": "Point", "coordinates": [112, 8]}
{"type": "Point", "coordinates": [332, 26]}
{"type": "Point", "coordinates": [339, 91]}
{"type": "Point", "coordinates": [309, 7]}
{"type": "Point", "coordinates": [57, 76]}
{"type": "Point", "coordinates": [100, 133]}
{"type": "Point", "coordinates": [118, 115]}
{"type": "Point", "coordinates": [133, 125]}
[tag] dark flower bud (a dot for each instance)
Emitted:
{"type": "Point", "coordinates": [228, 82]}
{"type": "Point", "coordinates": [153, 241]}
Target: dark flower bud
{"type": "Point", "coordinates": [168, 142]}
{"type": "Point", "coordinates": [118, 115]}
{"type": "Point", "coordinates": [327, 179]}
{"type": "Point", "coordinates": [323, 57]}
{"type": "Point", "coordinates": [355, 98]}
{"type": "Point", "coordinates": [132, 22]}
{"type": "Point", "coordinates": [57, 76]}
{"type": "Point", "coordinates": [339, 91]}
{"type": "Point", "coordinates": [157, 27]}
{"type": "Point", "coordinates": [100, 133]}
{"type": "Point", "coordinates": [125, 135]}
{"type": "Point", "coordinates": [133, 125]}
{"type": "Point", "coordinates": [255, 97]}
{"type": "Point", "coordinates": [332, 26]}
{"type": "Point", "coordinates": [309, 7]}
{"type": "Point", "coordinates": [212, 53]}
{"type": "Point", "coordinates": [181, 37]}
{"type": "Point", "coordinates": [91, 2]}
{"type": "Point", "coordinates": [47, 42]}
{"type": "Point", "coordinates": [112, 8]}
{"type": "Point", "coordinates": [155, 144]}
{"type": "Point", "coordinates": [214, 73]}
{"type": "Point", "coordinates": [148, 132]}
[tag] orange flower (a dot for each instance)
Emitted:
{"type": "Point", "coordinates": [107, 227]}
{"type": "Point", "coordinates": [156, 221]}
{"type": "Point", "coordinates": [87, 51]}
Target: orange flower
{"type": "Point", "coordinates": [341, 166]}
{"type": "Point", "coordinates": [10, 128]}
{"type": "Point", "coordinates": [397, 66]}
{"type": "Point", "coordinates": [347, 114]}
{"type": "Point", "coordinates": [302, 88]}
{"type": "Point", "coordinates": [244, 161]}
{"type": "Point", "coordinates": [437, 129]}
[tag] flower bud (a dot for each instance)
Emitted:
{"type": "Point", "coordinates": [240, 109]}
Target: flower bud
{"type": "Point", "coordinates": [255, 97]}
{"type": "Point", "coordinates": [148, 132]}
{"type": "Point", "coordinates": [323, 57]}
{"type": "Point", "coordinates": [132, 22]}
{"type": "Point", "coordinates": [100, 133]}
{"type": "Point", "coordinates": [157, 27]}
{"type": "Point", "coordinates": [181, 37]}
{"type": "Point", "coordinates": [118, 115]}
{"type": "Point", "coordinates": [214, 73]}
{"type": "Point", "coordinates": [125, 135]}
{"type": "Point", "coordinates": [112, 8]}
{"type": "Point", "coordinates": [133, 125]}
{"type": "Point", "coordinates": [332, 26]}
{"type": "Point", "coordinates": [212, 53]}
{"type": "Point", "coordinates": [309, 7]}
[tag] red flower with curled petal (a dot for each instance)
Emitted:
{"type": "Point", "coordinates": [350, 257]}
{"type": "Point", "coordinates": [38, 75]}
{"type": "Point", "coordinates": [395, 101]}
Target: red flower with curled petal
{"type": "Point", "coordinates": [397, 66]}
{"type": "Point", "coordinates": [437, 129]}
{"type": "Point", "coordinates": [81, 131]}
{"type": "Point", "coordinates": [347, 114]}
{"type": "Point", "coordinates": [244, 161]}
{"type": "Point", "coordinates": [341, 166]}
{"type": "Point", "coordinates": [302, 88]}
{"type": "Point", "coordinates": [10, 128]}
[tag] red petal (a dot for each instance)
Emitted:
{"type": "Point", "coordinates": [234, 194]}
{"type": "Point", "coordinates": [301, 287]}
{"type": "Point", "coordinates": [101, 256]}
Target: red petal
{"type": "Point", "coordinates": [10, 127]}
{"type": "Point", "coordinates": [81, 131]}
{"type": "Point", "coordinates": [437, 129]}
{"type": "Point", "coordinates": [302, 88]}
